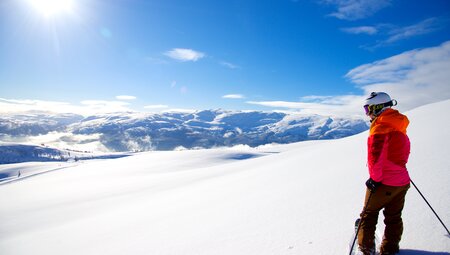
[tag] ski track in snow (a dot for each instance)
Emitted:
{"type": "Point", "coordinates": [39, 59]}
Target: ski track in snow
{"type": "Point", "coordinates": [299, 198]}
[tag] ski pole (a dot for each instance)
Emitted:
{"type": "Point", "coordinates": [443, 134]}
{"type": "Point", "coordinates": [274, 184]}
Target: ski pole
{"type": "Point", "coordinates": [359, 225]}
{"type": "Point", "coordinates": [437, 216]}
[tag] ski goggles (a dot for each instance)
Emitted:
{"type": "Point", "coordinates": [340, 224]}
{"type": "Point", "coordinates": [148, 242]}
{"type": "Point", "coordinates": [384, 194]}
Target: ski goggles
{"type": "Point", "coordinates": [366, 109]}
{"type": "Point", "coordinates": [374, 108]}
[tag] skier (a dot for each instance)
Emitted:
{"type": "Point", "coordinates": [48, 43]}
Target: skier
{"type": "Point", "coordinates": [388, 152]}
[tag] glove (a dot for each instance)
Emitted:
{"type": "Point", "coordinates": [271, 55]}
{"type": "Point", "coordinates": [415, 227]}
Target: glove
{"type": "Point", "coordinates": [372, 185]}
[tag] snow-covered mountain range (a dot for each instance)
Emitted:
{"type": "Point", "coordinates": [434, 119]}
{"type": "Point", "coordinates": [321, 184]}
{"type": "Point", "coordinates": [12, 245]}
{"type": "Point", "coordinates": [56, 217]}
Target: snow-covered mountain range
{"type": "Point", "coordinates": [173, 130]}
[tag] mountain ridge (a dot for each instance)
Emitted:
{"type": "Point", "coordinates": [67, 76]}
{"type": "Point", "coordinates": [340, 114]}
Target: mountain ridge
{"type": "Point", "coordinates": [118, 132]}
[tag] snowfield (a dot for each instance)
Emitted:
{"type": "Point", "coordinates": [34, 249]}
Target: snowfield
{"type": "Point", "coordinates": [300, 198]}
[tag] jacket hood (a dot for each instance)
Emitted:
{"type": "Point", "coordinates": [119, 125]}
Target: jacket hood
{"type": "Point", "coordinates": [390, 120]}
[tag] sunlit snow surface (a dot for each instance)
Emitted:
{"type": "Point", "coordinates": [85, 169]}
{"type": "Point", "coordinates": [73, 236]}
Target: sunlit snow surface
{"type": "Point", "coordinates": [300, 198]}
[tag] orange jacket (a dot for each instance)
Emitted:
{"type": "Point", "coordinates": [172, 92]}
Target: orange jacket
{"type": "Point", "coordinates": [389, 148]}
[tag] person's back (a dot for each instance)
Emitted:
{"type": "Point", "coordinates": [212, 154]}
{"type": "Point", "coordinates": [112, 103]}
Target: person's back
{"type": "Point", "coordinates": [387, 154]}
{"type": "Point", "coordinates": [389, 148]}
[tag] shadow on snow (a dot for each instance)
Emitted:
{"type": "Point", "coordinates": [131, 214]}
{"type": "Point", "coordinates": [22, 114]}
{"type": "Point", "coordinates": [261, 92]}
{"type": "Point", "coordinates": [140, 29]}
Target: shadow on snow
{"type": "Point", "coordinates": [419, 252]}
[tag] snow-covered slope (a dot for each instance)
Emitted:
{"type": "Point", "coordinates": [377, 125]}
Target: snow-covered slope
{"type": "Point", "coordinates": [171, 130]}
{"type": "Point", "coordinates": [18, 153]}
{"type": "Point", "coordinates": [287, 199]}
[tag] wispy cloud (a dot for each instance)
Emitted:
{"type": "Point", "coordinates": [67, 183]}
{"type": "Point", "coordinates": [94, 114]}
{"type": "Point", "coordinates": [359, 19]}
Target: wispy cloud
{"type": "Point", "coordinates": [234, 96]}
{"type": "Point", "coordinates": [314, 98]}
{"type": "Point", "coordinates": [340, 105]}
{"type": "Point", "coordinates": [125, 97]}
{"type": "Point", "coordinates": [424, 27]}
{"type": "Point", "coordinates": [356, 9]}
{"type": "Point", "coordinates": [229, 65]}
{"type": "Point", "coordinates": [184, 55]}
{"type": "Point", "coordinates": [360, 30]}
{"type": "Point", "coordinates": [391, 33]}
{"type": "Point", "coordinates": [22, 105]}
{"type": "Point", "coordinates": [86, 107]}
{"type": "Point", "coordinates": [106, 106]}
{"type": "Point", "coordinates": [413, 78]}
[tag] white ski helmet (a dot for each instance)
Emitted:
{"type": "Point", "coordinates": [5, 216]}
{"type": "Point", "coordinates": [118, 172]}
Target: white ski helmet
{"type": "Point", "coordinates": [377, 102]}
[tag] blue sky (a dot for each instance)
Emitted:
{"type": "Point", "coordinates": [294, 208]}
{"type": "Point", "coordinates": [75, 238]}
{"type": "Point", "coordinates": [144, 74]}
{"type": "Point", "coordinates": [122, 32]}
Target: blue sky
{"type": "Point", "coordinates": [315, 56]}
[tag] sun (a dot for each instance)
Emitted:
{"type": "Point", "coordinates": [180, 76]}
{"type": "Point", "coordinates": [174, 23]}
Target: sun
{"type": "Point", "coordinates": [50, 8]}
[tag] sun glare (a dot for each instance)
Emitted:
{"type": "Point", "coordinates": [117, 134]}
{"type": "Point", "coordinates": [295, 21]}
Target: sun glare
{"type": "Point", "coordinates": [50, 8]}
